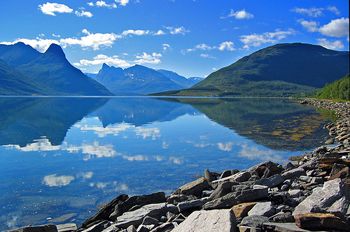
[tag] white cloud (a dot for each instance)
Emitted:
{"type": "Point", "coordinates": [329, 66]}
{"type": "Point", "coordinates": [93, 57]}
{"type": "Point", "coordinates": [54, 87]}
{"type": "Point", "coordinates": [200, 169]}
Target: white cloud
{"type": "Point", "coordinates": [310, 26]}
{"type": "Point", "coordinates": [207, 56]}
{"type": "Point", "coordinates": [57, 181]}
{"type": "Point", "coordinates": [145, 132]}
{"type": "Point", "coordinates": [177, 30]}
{"type": "Point", "coordinates": [51, 8]}
{"type": "Point", "coordinates": [91, 40]}
{"type": "Point", "coordinates": [335, 45]}
{"type": "Point", "coordinates": [159, 32]}
{"type": "Point", "coordinates": [256, 40]}
{"type": "Point", "coordinates": [93, 150]}
{"type": "Point", "coordinates": [83, 13]}
{"type": "Point", "coordinates": [336, 28]}
{"type": "Point", "coordinates": [145, 58]}
{"type": "Point", "coordinates": [315, 11]}
{"type": "Point", "coordinates": [115, 129]}
{"type": "Point", "coordinates": [42, 144]}
{"type": "Point", "coordinates": [225, 146]}
{"type": "Point", "coordinates": [166, 46]}
{"type": "Point", "coordinates": [135, 32]}
{"type": "Point", "coordinates": [104, 4]}
{"type": "Point", "coordinates": [240, 14]}
{"type": "Point", "coordinates": [122, 2]}
{"type": "Point", "coordinates": [227, 45]}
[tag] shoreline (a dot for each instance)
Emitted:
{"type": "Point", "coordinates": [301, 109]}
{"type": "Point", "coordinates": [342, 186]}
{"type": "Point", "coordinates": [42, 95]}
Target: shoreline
{"type": "Point", "coordinates": [265, 197]}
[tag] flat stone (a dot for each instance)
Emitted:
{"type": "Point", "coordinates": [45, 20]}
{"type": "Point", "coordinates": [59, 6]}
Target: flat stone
{"type": "Point", "coordinates": [282, 227]}
{"type": "Point", "coordinates": [254, 221]}
{"type": "Point", "coordinates": [191, 205]}
{"type": "Point", "coordinates": [137, 201]}
{"type": "Point", "coordinates": [221, 190]}
{"type": "Point", "coordinates": [66, 227]}
{"type": "Point", "coordinates": [262, 209]}
{"type": "Point", "coordinates": [165, 227]}
{"type": "Point", "coordinates": [135, 217]}
{"type": "Point", "coordinates": [294, 173]}
{"type": "Point", "coordinates": [324, 197]}
{"type": "Point", "coordinates": [230, 199]}
{"type": "Point", "coordinates": [241, 210]}
{"type": "Point", "coordinates": [238, 177]}
{"type": "Point", "coordinates": [271, 181]}
{"type": "Point", "coordinates": [320, 221]}
{"type": "Point", "coordinates": [212, 220]}
{"type": "Point", "coordinates": [195, 187]}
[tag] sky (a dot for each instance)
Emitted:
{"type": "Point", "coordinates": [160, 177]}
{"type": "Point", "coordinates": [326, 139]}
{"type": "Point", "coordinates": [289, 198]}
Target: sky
{"type": "Point", "coordinates": [190, 37]}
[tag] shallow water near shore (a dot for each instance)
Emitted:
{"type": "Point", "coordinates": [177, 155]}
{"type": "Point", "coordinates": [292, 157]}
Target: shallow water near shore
{"type": "Point", "coordinates": [61, 158]}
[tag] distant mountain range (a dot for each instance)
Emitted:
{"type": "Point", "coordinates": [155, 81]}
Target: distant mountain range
{"type": "Point", "coordinates": [279, 70]}
{"type": "Point", "coordinates": [141, 80]}
{"type": "Point", "coordinates": [25, 71]}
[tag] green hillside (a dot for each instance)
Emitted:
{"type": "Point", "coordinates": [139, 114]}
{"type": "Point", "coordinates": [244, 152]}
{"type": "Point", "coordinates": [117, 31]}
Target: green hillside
{"type": "Point", "coordinates": [339, 90]}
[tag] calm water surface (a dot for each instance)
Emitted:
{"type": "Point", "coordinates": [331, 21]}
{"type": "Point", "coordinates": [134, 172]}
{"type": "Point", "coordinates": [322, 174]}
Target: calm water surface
{"type": "Point", "coordinates": [61, 158]}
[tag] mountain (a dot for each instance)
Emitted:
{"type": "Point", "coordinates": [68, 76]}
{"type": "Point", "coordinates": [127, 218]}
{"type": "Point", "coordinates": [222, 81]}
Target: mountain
{"type": "Point", "coordinates": [180, 80]}
{"type": "Point", "coordinates": [137, 80]}
{"type": "Point", "coordinates": [29, 72]}
{"type": "Point", "coordinates": [279, 70]}
{"type": "Point", "coordinates": [140, 80]}
{"type": "Point", "coordinates": [339, 90]}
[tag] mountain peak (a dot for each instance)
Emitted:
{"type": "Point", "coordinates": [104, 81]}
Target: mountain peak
{"type": "Point", "coordinates": [56, 50]}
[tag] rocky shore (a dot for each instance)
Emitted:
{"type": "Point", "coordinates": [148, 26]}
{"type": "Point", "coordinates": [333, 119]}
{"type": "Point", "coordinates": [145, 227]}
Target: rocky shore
{"type": "Point", "coordinates": [310, 193]}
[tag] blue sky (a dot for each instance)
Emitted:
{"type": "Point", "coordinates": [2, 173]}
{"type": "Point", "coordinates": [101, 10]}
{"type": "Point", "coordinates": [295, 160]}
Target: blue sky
{"type": "Point", "coordinates": [191, 37]}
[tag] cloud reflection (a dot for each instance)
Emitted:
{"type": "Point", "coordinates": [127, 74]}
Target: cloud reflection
{"type": "Point", "coordinates": [225, 146]}
{"type": "Point", "coordinates": [57, 181]}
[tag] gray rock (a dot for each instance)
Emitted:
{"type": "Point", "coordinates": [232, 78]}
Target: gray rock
{"type": "Point", "coordinates": [265, 169]}
{"type": "Point", "coordinates": [271, 181]}
{"type": "Point", "coordinates": [135, 217]}
{"type": "Point", "coordinates": [191, 205]}
{"type": "Point", "coordinates": [195, 187]}
{"type": "Point", "coordinates": [66, 227]}
{"type": "Point", "coordinates": [149, 221]}
{"type": "Point", "coordinates": [176, 198]}
{"type": "Point", "coordinates": [145, 228]}
{"type": "Point", "coordinates": [326, 198]}
{"type": "Point", "coordinates": [282, 227]}
{"type": "Point", "coordinates": [131, 229]}
{"type": "Point", "coordinates": [294, 173]}
{"type": "Point", "coordinates": [41, 228]}
{"type": "Point", "coordinates": [230, 199]}
{"type": "Point", "coordinates": [212, 220]}
{"type": "Point", "coordinates": [165, 227]}
{"type": "Point", "coordinates": [254, 221]}
{"type": "Point", "coordinates": [98, 227]}
{"type": "Point", "coordinates": [262, 209]}
{"type": "Point", "coordinates": [111, 228]}
{"type": "Point", "coordinates": [137, 201]}
{"type": "Point", "coordinates": [238, 177]}
{"type": "Point", "coordinates": [295, 193]}
{"type": "Point", "coordinates": [282, 217]}
{"type": "Point", "coordinates": [105, 211]}
{"type": "Point", "coordinates": [221, 190]}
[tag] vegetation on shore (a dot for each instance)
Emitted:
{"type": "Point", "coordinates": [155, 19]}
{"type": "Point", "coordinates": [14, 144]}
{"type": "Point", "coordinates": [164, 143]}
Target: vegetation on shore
{"type": "Point", "coordinates": [337, 90]}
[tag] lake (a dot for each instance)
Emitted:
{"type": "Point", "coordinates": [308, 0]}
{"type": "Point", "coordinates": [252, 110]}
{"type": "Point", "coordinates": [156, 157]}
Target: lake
{"type": "Point", "coordinates": [62, 158]}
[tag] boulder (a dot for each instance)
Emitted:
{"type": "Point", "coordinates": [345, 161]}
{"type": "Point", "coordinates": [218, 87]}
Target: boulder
{"type": "Point", "coordinates": [265, 169]}
{"type": "Point", "coordinates": [135, 217]}
{"type": "Point", "coordinates": [149, 221]}
{"type": "Point", "coordinates": [282, 217]}
{"type": "Point", "coordinates": [221, 190]}
{"type": "Point", "coordinates": [339, 171]}
{"type": "Point", "coordinates": [41, 228]}
{"type": "Point", "coordinates": [241, 210]}
{"type": "Point", "coordinates": [105, 211]}
{"type": "Point", "coordinates": [176, 198]}
{"type": "Point", "coordinates": [66, 227]}
{"type": "Point", "coordinates": [195, 187]}
{"type": "Point", "coordinates": [271, 181]}
{"type": "Point", "coordinates": [320, 221]}
{"type": "Point", "coordinates": [191, 205]}
{"type": "Point", "coordinates": [137, 201]}
{"type": "Point", "coordinates": [245, 195]}
{"type": "Point", "coordinates": [238, 177]}
{"type": "Point", "coordinates": [323, 198]}
{"type": "Point", "coordinates": [294, 173]}
{"type": "Point", "coordinates": [254, 221]}
{"type": "Point", "coordinates": [212, 220]}
{"type": "Point", "coordinates": [262, 209]}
